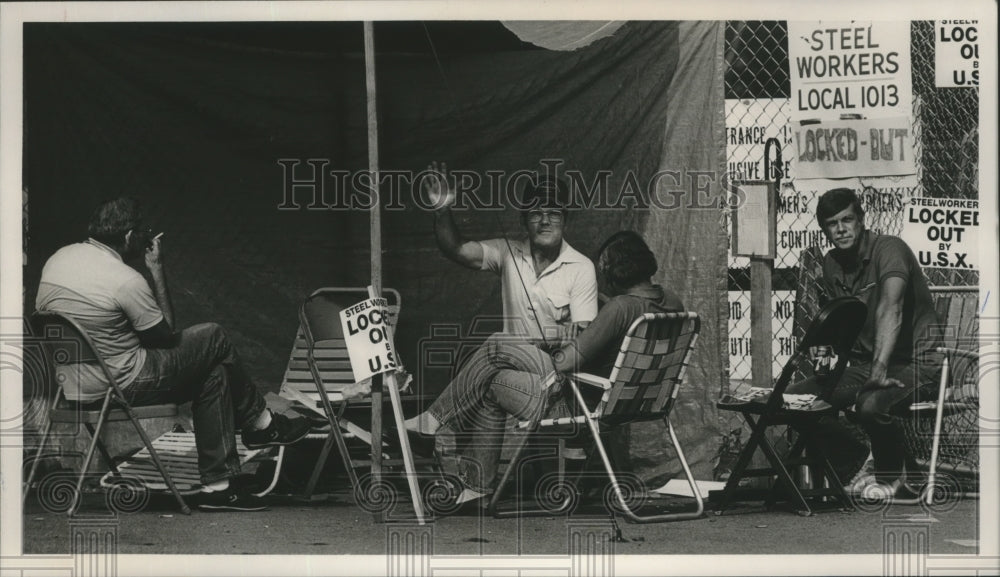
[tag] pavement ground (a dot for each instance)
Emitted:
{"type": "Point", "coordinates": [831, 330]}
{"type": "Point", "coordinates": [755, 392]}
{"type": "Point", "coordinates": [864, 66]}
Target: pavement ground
{"type": "Point", "coordinates": [336, 526]}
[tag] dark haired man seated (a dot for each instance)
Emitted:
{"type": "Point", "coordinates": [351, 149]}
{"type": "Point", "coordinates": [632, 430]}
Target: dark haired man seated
{"type": "Point", "coordinates": [506, 375]}
{"type": "Point", "coordinates": [891, 362]}
{"type": "Point", "coordinates": [132, 327]}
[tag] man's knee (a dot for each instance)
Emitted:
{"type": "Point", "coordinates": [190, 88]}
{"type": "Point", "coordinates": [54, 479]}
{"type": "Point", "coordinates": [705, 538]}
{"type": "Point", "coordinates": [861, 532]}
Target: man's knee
{"type": "Point", "coordinates": [206, 331]}
{"type": "Point", "coordinates": [210, 336]}
{"type": "Point", "coordinates": [809, 386]}
{"type": "Point", "coordinates": [214, 382]}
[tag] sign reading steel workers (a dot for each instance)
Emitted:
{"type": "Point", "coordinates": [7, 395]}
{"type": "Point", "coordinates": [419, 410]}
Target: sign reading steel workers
{"type": "Point", "coordinates": [857, 68]}
{"type": "Point", "coordinates": [852, 99]}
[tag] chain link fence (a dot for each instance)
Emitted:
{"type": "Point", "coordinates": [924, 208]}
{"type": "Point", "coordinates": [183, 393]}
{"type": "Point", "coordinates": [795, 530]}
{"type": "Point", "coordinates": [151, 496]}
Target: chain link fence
{"type": "Point", "coordinates": [757, 92]}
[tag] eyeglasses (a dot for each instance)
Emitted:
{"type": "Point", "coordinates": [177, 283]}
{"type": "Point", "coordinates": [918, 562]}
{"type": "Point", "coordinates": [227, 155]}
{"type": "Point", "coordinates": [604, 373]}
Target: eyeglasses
{"type": "Point", "coordinates": [554, 216]}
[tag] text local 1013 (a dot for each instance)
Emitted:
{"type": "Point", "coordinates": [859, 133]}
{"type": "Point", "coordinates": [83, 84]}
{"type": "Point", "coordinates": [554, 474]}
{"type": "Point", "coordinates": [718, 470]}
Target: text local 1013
{"type": "Point", "coordinates": [843, 97]}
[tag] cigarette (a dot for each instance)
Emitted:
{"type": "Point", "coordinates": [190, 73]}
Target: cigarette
{"type": "Point", "coordinates": [157, 236]}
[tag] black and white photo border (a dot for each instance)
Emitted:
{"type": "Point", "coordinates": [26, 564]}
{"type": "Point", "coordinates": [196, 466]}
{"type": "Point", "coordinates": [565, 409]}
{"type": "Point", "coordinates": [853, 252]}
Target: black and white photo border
{"type": "Point", "coordinates": [14, 15]}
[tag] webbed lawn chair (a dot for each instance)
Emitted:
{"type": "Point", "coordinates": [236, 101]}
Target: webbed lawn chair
{"type": "Point", "coordinates": [320, 369]}
{"type": "Point", "coordinates": [951, 421]}
{"type": "Point", "coordinates": [942, 432]}
{"type": "Point", "coordinates": [642, 386]}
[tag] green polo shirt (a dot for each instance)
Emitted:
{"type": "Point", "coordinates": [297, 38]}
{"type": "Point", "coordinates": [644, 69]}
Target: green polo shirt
{"type": "Point", "coordinates": [881, 257]}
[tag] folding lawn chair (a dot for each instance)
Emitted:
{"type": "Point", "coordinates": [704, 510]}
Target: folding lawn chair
{"type": "Point", "coordinates": [942, 435]}
{"type": "Point", "coordinates": [318, 371]}
{"type": "Point", "coordinates": [837, 325]}
{"type": "Point", "coordinates": [642, 387]}
{"type": "Point", "coordinates": [320, 368]}
{"type": "Point", "coordinates": [65, 342]}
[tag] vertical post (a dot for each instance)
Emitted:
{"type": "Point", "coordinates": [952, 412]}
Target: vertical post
{"type": "Point", "coordinates": [375, 239]}
{"type": "Point", "coordinates": [375, 290]}
{"type": "Point", "coordinates": [761, 267]}
{"type": "Point", "coordinates": [761, 345]}
{"type": "Point", "coordinates": [761, 339]}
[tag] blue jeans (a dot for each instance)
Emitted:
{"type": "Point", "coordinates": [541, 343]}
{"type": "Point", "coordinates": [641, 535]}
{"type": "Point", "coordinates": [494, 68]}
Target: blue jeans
{"type": "Point", "coordinates": [502, 377]}
{"type": "Point", "coordinates": [874, 409]}
{"type": "Point", "coordinates": [205, 369]}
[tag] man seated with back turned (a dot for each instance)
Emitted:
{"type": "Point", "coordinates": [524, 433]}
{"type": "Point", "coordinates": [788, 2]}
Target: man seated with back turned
{"type": "Point", "coordinates": [889, 363]}
{"type": "Point", "coordinates": [132, 327]}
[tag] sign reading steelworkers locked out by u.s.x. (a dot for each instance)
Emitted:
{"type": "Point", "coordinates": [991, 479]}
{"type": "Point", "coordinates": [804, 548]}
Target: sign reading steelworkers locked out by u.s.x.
{"type": "Point", "coordinates": [943, 232]}
{"type": "Point", "coordinates": [368, 338]}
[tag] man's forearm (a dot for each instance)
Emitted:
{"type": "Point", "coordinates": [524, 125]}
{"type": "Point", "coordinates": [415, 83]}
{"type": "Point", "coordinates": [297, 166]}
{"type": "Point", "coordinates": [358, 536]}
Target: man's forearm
{"type": "Point", "coordinates": [569, 331]}
{"type": "Point", "coordinates": [888, 321]}
{"type": "Point", "coordinates": [162, 294]}
{"type": "Point", "coordinates": [449, 240]}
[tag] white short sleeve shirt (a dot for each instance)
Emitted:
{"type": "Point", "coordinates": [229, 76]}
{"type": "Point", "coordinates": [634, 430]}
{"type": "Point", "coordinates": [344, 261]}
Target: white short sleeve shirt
{"type": "Point", "coordinates": [565, 292]}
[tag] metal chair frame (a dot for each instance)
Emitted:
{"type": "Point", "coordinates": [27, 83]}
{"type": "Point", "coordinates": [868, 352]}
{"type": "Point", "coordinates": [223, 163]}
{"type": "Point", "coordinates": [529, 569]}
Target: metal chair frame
{"type": "Point", "coordinates": [838, 325]}
{"type": "Point", "coordinates": [643, 386]}
{"type": "Point", "coordinates": [53, 327]}
{"type": "Point", "coordinates": [317, 332]}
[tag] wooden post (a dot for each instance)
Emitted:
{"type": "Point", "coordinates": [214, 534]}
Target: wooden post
{"type": "Point", "coordinates": [761, 345]}
{"type": "Point", "coordinates": [375, 242]}
{"type": "Point", "coordinates": [754, 236]}
{"type": "Point", "coordinates": [375, 290]}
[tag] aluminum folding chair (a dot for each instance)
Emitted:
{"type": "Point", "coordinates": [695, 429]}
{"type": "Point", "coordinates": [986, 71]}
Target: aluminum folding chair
{"type": "Point", "coordinates": [65, 342]}
{"type": "Point", "coordinates": [942, 434]}
{"type": "Point", "coordinates": [643, 386]}
{"type": "Point", "coordinates": [320, 369]}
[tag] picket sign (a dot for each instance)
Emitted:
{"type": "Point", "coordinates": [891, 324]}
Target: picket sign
{"type": "Point", "coordinates": [368, 339]}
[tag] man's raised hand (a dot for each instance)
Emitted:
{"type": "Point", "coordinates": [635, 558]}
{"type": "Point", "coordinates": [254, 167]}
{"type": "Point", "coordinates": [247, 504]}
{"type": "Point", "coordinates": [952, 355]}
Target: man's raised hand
{"type": "Point", "coordinates": [438, 186]}
{"type": "Point", "coordinates": [153, 255]}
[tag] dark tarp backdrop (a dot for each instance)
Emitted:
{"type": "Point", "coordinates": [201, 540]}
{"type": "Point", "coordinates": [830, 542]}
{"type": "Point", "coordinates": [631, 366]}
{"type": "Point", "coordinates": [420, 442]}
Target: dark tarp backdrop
{"type": "Point", "coordinates": [193, 119]}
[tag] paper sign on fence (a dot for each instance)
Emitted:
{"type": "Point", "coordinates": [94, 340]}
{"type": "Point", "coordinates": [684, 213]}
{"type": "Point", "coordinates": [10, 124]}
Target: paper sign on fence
{"type": "Point", "coordinates": [368, 339]}
{"type": "Point", "coordinates": [943, 232]}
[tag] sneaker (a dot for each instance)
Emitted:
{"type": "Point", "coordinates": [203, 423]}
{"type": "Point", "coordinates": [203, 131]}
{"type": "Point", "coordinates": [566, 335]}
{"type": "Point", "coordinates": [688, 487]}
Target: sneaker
{"type": "Point", "coordinates": [229, 500]}
{"type": "Point", "coordinates": [898, 491]}
{"type": "Point", "coordinates": [877, 492]}
{"type": "Point", "coordinates": [860, 482]}
{"type": "Point", "coordinates": [281, 431]}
